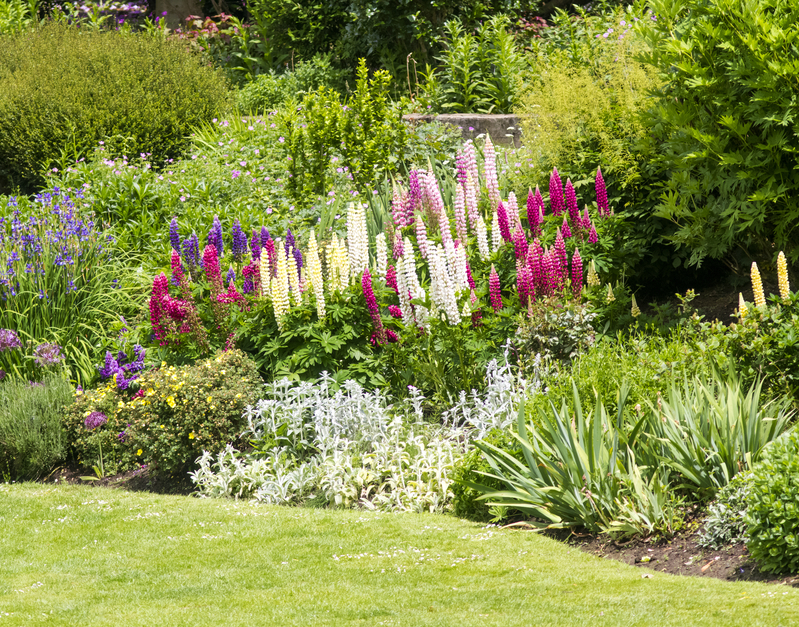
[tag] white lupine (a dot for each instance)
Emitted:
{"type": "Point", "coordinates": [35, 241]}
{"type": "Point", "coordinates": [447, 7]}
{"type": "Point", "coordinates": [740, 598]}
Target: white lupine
{"type": "Point", "coordinates": [381, 255]}
{"type": "Point", "coordinates": [404, 289]}
{"type": "Point", "coordinates": [461, 277]}
{"type": "Point", "coordinates": [293, 275]}
{"type": "Point", "coordinates": [482, 239]}
{"type": "Point", "coordinates": [496, 236]}
{"type": "Point", "coordinates": [412, 282]}
{"type": "Point", "coordinates": [338, 265]}
{"type": "Point", "coordinates": [421, 235]}
{"type": "Point", "coordinates": [357, 239]}
{"type": "Point", "coordinates": [315, 275]}
{"type": "Point", "coordinates": [446, 288]}
{"type": "Point", "coordinates": [490, 171]}
{"type": "Point", "coordinates": [444, 226]}
{"type": "Point", "coordinates": [280, 286]}
{"type": "Point", "coordinates": [451, 258]}
{"type": "Point", "coordinates": [466, 312]}
{"type": "Point", "coordinates": [471, 201]}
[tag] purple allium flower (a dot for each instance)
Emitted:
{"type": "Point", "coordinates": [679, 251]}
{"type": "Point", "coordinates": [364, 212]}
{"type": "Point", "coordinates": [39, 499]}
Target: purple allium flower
{"type": "Point", "coordinates": [9, 340]}
{"type": "Point", "coordinates": [95, 419]}
{"type": "Point", "coordinates": [494, 289]}
{"type": "Point", "coordinates": [239, 248]}
{"type": "Point", "coordinates": [174, 236]}
{"type": "Point", "coordinates": [255, 245]}
{"type": "Point", "coordinates": [47, 354]}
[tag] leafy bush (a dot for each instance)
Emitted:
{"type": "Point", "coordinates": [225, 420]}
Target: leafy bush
{"type": "Point", "coordinates": [174, 414]}
{"type": "Point", "coordinates": [478, 73]}
{"type": "Point", "coordinates": [16, 15]}
{"type": "Point", "coordinates": [725, 523]}
{"type": "Point", "coordinates": [724, 123]}
{"type": "Point", "coordinates": [772, 518]}
{"type": "Point", "coordinates": [61, 281]}
{"type": "Point", "coordinates": [559, 333]}
{"type": "Point", "coordinates": [63, 89]}
{"type": "Point", "coordinates": [268, 91]}
{"type": "Point", "coordinates": [31, 437]}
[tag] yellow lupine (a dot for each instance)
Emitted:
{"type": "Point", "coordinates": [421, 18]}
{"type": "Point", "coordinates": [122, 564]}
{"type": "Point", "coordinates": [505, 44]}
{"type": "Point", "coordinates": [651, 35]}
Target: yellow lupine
{"type": "Point", "coordinates": [782, 276]}
{"type": "Point", "coordinates": [593, 278]}
{"type": "Point", "coordinates": [315, 276]}
{"type": "Point", "coordinates": [635, 311]}
{"type": "Point", "coordinates": [757, 287]}
{"type": "Point", "coordinates": [742, 310]}
{"type": "Point", "coordinates": [610, 297]}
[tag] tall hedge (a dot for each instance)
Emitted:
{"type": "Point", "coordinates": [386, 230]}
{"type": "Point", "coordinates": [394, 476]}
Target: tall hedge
{"type": "Point", "coordinates": [64, 89]}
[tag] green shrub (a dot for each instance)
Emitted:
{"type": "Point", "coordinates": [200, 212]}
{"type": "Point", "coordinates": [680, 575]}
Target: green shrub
{"type": "Point", "coordinates": [64, 89]}
{"type": "Point", "coordinates": [16, 15]}
{"type": "Point", "coordinates": [726, 523]}
{"type": "Point", "coordinates": [31, 437]}
{"type": "Point", "coordinates": [268, 91]}
{"type": "Point", "coordinates": [175, 414]}
{"type": "Point", "coordinates": [724, 123]}
{"type": "Point", "coordinates": [772, 518]}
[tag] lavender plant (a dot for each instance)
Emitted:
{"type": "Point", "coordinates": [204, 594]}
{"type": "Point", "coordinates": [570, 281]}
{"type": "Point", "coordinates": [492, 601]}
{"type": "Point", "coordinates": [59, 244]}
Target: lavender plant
{"type": "Point", "coordinates": [60, 286]}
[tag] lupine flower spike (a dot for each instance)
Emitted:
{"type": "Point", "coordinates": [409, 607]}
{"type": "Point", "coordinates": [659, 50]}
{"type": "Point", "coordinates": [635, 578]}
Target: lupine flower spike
{"type": "Point", "coordinates": [571, 204]}
{"type": "Point", "coordinates": [593, 277]}
{"type": "Point", "coordinates": [757, 287]}
{"type": "Point", "coordinates": [742, 310]}
{"type": "Point", "coordinates": [494, 289]}
{"type": "Point", "coordinates": [601, 195]}
{"type": "Point", "coordinates": [634, 310]}
{"type": "Point", "coordinates": [556, 193]}
{"type": "Point", "coordinates": [610, 297]}
{"type": "Point", "coordinates": [782, 276]}
{"type": "Point", "coordinates": [577, 274]}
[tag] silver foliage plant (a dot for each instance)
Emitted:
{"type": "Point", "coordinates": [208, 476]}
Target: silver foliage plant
{"type": "Point", "coordinates": [352, 447]}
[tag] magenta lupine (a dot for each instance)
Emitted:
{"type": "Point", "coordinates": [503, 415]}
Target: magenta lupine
{"type": "Point", "coordinates": [601, 194]}
{"type": "Point", "coordinates": [540, 201]}
{"type": "Point", "coordinates": [571, 204]}
{"type": "Point", "coordinates": [157, 313]}
{"type": "Point", "coordinates": [532, 213]}
{"type": "Point", "coordinates": [212, 270]}
{"type": "Point", "coordinates": [586, 221]}
{"type": "Point", "coordinates": [556, 193]}
{"type": "Point", "coordinates": [460, 213]}
{"type": "Point", "coordinates": [577, 273]}
{"type": "Point", "coordinates": [391, 278]}
{"type": "Point", "coordinates": [469, 278]}
{"type": "Point", "coordinates": [177, 267]}
{"type": "Point", "coordinates": [535, 263]}
{"type": "Point", "coordinates": [271, 258]}
{"type": "Point", "coordinates": [251, 274]}
{"type": "Point", "coordinates": [520, 245]}
{"type": "Point", "coordinates": [552, 272]}
{"type": "Point", "coordinates": [395, 311]}
{"type": "Point", "coordinates": [371, 305]}
{"type": "Point", "coordinates": [559, 250]}
{"type": "Point", "coordinates": [524, 284]}
{"type": "Point", "coordinates": [421, 236]}
{"type": "Point", "coordinates": [567, 232]}
{"type": "Point", "coordinates": [592, 236]}
{"type": "Point", "coordinates": [502, 218]}
{"type": "Point", "coordinates": [494, 289]}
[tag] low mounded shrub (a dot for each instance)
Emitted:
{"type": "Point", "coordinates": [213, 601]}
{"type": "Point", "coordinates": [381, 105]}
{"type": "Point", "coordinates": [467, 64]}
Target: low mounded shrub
{"type": "Point", "coordinates": [31, 438]}
{"type": "Point", "coordinates": [62, 90]}
{"type": "Point", "coordinates": [167, 417]}
{"type": "Point", "coordinates": [726, 523]}
{"type": "Point", "coordinates": [772, 517]}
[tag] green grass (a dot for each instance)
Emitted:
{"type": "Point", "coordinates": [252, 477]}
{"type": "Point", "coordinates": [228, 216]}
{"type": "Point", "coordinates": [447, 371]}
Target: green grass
{"type": "Point", "coordinates": [93, 556]}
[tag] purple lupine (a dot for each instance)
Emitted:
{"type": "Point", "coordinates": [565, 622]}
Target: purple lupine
{"type": "Point", "coordinates": [290, 241]}
{"type": "Point", "coordinates": [215, 237]}
{"type": "Point", "coordinates": [502, 218]}
{"type": "Point", "coordinates": [571, 204]}
{"type": "Point", "coordinates": [47, 354]}
{"type": "Point", "coordinates": [556, 193]}
{"type": "Point", "coordinates": [174, 235]}
{"type": "Point", "coordinates": [494, 289]}
{"type": "Point", "coordinates": [577, 273]}
{"type": "Point", "coordinates": [230, 277]}
{"type": "Point", "coordinates": [567, 232]}
{"type": "Point", "coordinates": [94, 420]}
{"type": "Point", "coordinates": [239, 247]}
{"type": "Point", "coordinates": [593, 238]}
{"type": "Point", "coordinates": [298, 258]}
{"type": "Point", "coordinates": [9, 340]}
{"type": "Point", "coordinates": [265, 237]}
{"type": "Point", "coordinates": [255, 245]}
{"type": "Point", "coordinates": [371, 305]}
{"type": "Point", "coordinates": [191, 251]}
{"type": "Point", "coordinates": [601, 194]}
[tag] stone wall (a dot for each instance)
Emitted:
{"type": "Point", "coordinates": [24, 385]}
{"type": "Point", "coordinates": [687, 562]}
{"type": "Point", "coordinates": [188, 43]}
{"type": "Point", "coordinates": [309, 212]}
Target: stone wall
{"type": "Point", "coordinates": [503, 129]}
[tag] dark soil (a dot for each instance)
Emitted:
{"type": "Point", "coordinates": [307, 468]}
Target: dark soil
{"type": "Point", "coordinates": [139, 480]}
{"type": "Point", "coordinates": [681, 555]}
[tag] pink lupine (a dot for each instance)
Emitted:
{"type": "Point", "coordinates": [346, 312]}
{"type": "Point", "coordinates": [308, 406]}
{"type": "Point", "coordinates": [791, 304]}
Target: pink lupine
{"type": "Point", "coordinates": [512, 209]}
{"type": "Point", "coordinates": [494, 289]}
{"type": "Point", "coordinates": [540, 201]}
{"type": "Point", "coordinates": [414, 195]}
{"type": "Point", "coordinates": [371, 305]}
{"type": "Point", "coordinates": [469, 278]}
{"type": "Point", "coordinates": [271, 257]}
{"type": "Point", "coordinates": [577, 273]}
{"type": "Point", "coordinates": [398, 249]}
{"type": "Point", "coordinates": [502, 218]}
{"type": "Point", "coordinates": [232, 296]}
{"type": "Point", "coordinates": [520, 245]}
{"type": "Point", "coordinates": [160, 291]}
{"type": "Point", "coordinates": [571, 204]}
{"type": "Point", "coordinates": [462, 166]}
{"type": "Point", "coordinates": [535, 263]}
{"type": "Point", "coordinates": [565, 228]}
{"type": "Point", "coordinates": [586, 221]}
{"type": "Point", "coordinates": [559, 250]}
{"type": "Point", "coordinates": [524, 284]}
{"type": "Point", "coordinates": [556, 193]}
{"type": "Point", "coordinates": [532, 212]}
{"type": "Point", "coordinates": [421, 237]}
{"type": "Point", "coordinates": [212, 270]}
{"type": "Point", "coordinates": [460, 214]}
{"type": "Point", "coordinates": [593, 238]}
{"type": "Point", "coordinates": [434, 195]}
{"type": "Point", "coordinates": [601, 194]}
{"type": "Point", "coordinates": [444, 227]}
{"type": "Point", "coordinates": [391, 278]}
{"type": "Point", "coordinates": [398, 208]}
{"type": "Point", "coordinates": [395, 311]}
{"type": "Point", "coordinates": [177, 267]}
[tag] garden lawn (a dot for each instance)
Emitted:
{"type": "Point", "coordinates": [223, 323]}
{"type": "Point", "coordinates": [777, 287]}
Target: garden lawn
{"type": "Point", "coordinates": [95, 556]}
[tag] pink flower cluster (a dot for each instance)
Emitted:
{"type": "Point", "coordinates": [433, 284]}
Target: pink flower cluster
{"type": "Point", "coordinates": [371, 305]}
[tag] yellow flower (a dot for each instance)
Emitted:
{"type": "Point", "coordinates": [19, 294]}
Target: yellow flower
{"type": "Point", "coordinates": [191, 435]}
{"type": "Point", "coordinates": [78, 392]}
{"type": "Point", "coordinates": [757, 287]}
{"type": "Point", "coordinates": [163, 427]}
{"type": "Point", "coordinates": [120, 404]}
{"type": "Point", "coordinates": [610, 297]}
{"type": "Point", "coordinates": [782, 276]}
{"type": "Point", "coordinates": [209, 399]}
{"type": "Point", "coordinates": [139, 452]}
{"type": "Point", "coordinates": [170, 400]}
{"type": "Point", "coordinates": [635, 311]}
{"type": "Point", "coordinates": [742, 311]}
{"type": "Point", "coordinates": [593, 277]}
